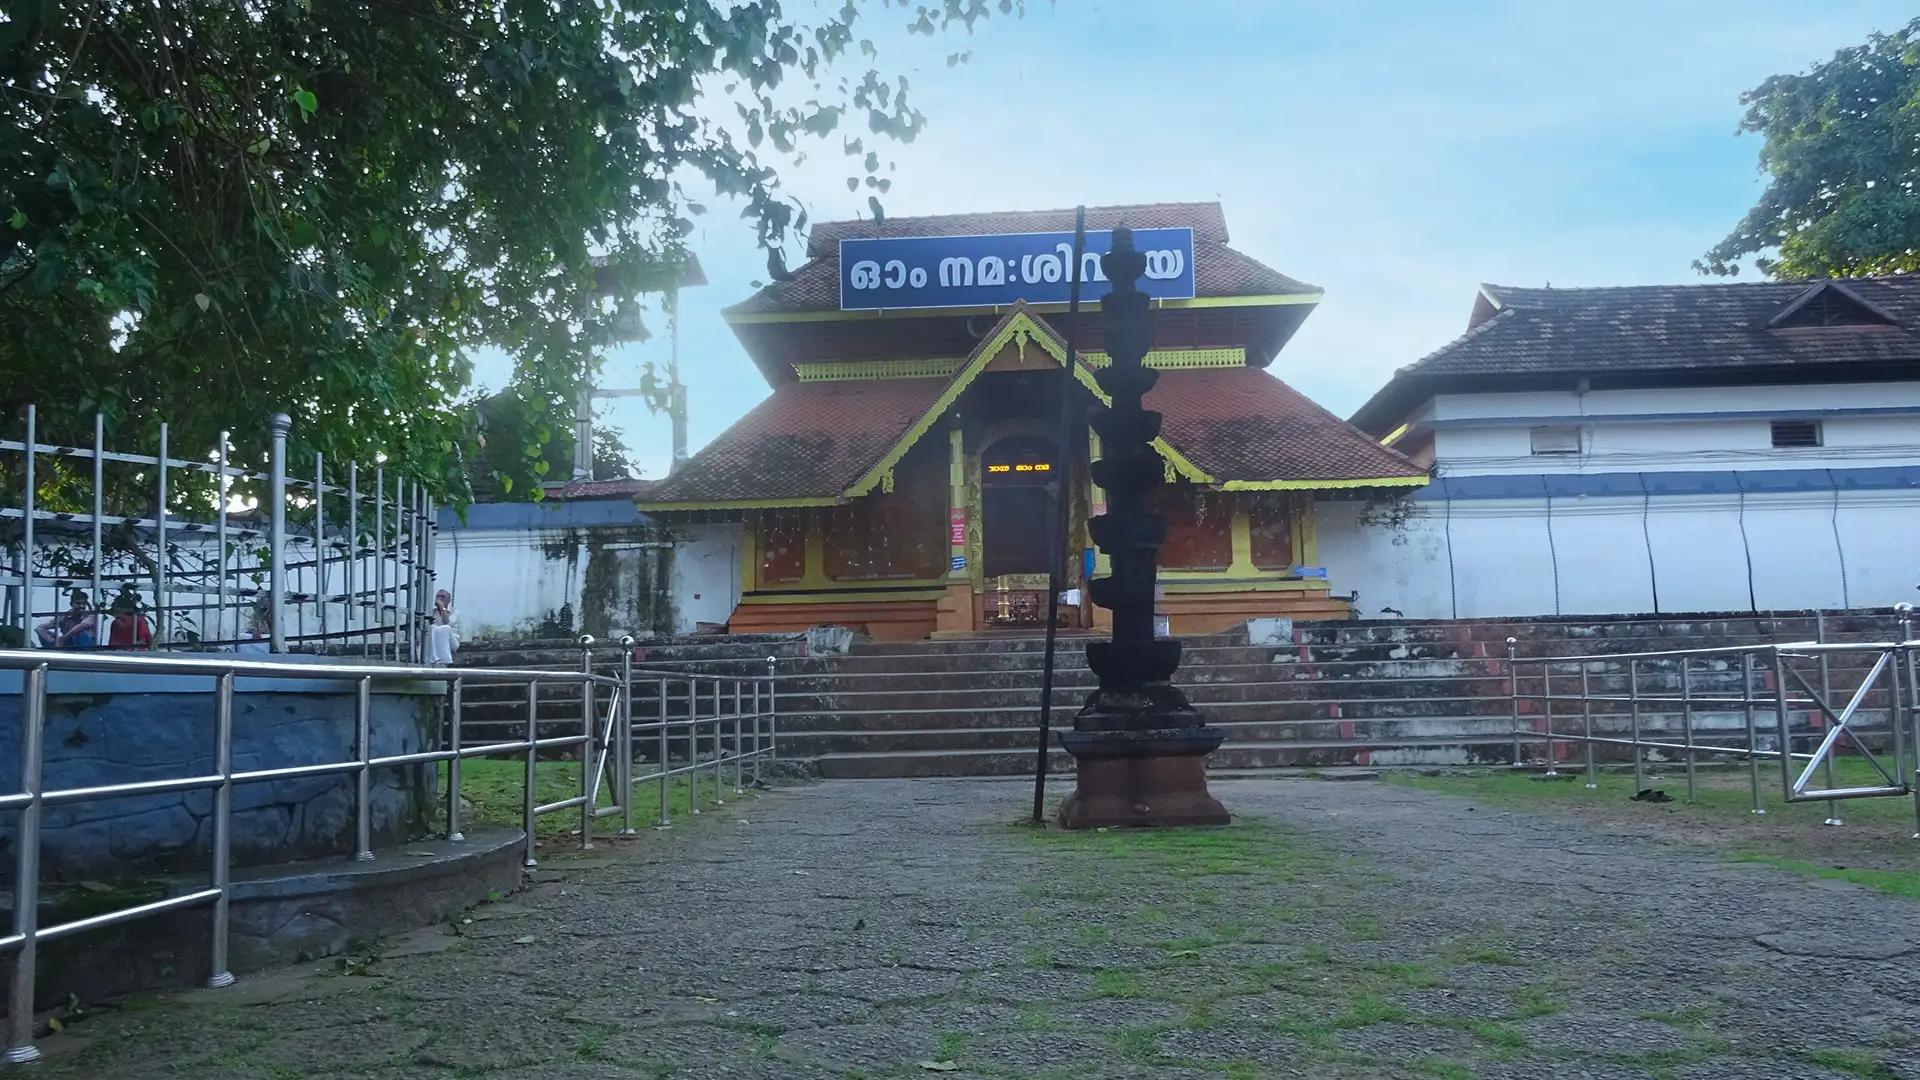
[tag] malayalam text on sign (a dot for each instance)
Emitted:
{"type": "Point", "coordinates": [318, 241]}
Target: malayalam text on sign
{"type": "Point", "coordinates": [985, 271]}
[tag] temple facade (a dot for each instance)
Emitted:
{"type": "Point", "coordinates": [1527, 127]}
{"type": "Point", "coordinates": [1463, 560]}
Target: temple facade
{"type": "Point", "coordinates": [899, 478]}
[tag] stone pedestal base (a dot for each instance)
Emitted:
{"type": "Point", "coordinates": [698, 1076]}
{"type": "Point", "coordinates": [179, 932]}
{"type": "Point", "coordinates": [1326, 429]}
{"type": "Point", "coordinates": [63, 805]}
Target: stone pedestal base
{"type": "Point", "coordinates": [1141, 779]}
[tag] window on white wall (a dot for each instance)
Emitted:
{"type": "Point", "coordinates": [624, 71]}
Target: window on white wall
{"type": "Point", "coordinates": [1796, 433]}
{"type": "Point", "coordinates": [1554, 440]}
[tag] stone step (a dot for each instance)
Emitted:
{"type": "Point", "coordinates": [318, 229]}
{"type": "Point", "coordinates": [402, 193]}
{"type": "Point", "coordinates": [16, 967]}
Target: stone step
{"type": "Point", "coordinates": [1381, 732]}
{"type": "Point", "coordinates": [1000, 762]}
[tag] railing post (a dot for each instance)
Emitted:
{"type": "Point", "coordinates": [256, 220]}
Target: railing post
{"type": "Point", "coordinates": [1586, 724]}
{"type": "Point", "coordinates": [1546, 709]}
{"type": "Point", "coordinates": [773, 712]}
{"type": "Point", "coordinates": [586, 748]}
{"type": "Point", "coordinates": [625, 763]}
{"type": "Point", "coordinates": [1513, 696]}
{"type": "Point", "coordinates": [221, 495]}
{"type": "Point", "coordinates": [1896, 700]}
{"type": "Point", "coordinates": [222, 828]}
{"type": "Point", "coordinates": [758, 706]}
{"type": "Point", "coordinates": [99, 511]}
{"type": "Point", "coordinates": [1826, 695]}
{"type": "Point", "coordinates": [1913, 701]}
{"type": "Point", "coordinates": [26, 867]}
{"type": "Point", "coordinates": [160, 583]}
{"type": "Point", "coordinates": [363, 785]}
{"type": "Point", "coordinates": [277, 426]}
{"type": "Point", "coordinates": [1633, 706]}
{"type": "Point", "coordinates": [455, 702]}
{"type": "Point", "coordinates": [320, 540]}
{"type": "Point", "coordinates": [693, 746]}
{"type": "Point", "coordinates": [1686, 718]}
{"type": "Point", "coordinates": [666, 774]}
{"type": "Point", "coordinates": [739, 763]}
{"type": "Point", "coordinates": [381, 608]}
{"type": "Point", "coordinates": [29, 632]}
{"type": "Point", "coordinates": [719, 756]}
{"type": "Point", "coordinates": [533, 749]}
{"type": "Point", "coordinates": [1784, 722]}
{"type": "Point", "coordinates": [1753, 732]}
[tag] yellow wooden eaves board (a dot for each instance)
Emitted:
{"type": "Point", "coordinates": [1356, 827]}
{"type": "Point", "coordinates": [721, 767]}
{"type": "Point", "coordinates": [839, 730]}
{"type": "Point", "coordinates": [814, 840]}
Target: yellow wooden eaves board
{"type": "Point", "coordinates": [748, 318]}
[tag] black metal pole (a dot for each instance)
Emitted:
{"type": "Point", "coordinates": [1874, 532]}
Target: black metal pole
{"type": "Point", "coordinates": [1057, 527]}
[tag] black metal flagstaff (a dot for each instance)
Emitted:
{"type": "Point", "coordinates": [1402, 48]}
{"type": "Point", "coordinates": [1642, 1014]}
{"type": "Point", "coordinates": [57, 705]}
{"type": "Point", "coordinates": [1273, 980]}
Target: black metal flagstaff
{"type": "Point", "coordinates": [1062, 504]}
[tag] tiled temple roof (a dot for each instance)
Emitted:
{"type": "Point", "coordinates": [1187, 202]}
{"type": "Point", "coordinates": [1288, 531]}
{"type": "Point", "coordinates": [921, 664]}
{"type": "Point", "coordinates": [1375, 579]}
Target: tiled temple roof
{"type": "Point", "coordinates": [812, 443]}
{"type": "Point", "coordinates": [1721, 332]}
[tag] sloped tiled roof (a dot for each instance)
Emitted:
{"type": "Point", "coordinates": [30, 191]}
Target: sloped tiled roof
{"type": "Point", "coordinates": [604, 489]}
{"type": "Point", "coordinates": [814, 441]}
{"type": "Point", "coordinates": [1206, 219]}
{"type": "Point", "coordinates": [1240, 423]}
{"type": "Point", "coordinates": [1218, 270]}
{"type": "Point", "coordinates": [809, 440]}
{"type": "Point", "coordinates": [1695, 329]}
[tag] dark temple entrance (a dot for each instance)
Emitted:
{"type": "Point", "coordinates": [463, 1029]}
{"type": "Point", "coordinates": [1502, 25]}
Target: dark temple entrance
{"type": "Point", "coordinates": [1019, 476]}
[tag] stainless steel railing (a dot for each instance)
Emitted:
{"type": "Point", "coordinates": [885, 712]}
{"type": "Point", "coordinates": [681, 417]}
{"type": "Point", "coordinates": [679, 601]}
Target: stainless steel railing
{"type": "Point", "coordinates": [740, 727]}
{"type": "Point", "coordinates": [1792, 683]}
{"type": "Point", "coordinates": [217, 553]}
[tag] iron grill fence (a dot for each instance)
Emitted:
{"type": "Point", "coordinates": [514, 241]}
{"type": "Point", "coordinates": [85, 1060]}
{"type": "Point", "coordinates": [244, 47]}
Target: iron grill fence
{"type": "Point", "coordinates": [1799, 705]}
{"type": "Point", "coordinates": [219, 556]}
{"type": "Point", "coordinates": [721, 727]}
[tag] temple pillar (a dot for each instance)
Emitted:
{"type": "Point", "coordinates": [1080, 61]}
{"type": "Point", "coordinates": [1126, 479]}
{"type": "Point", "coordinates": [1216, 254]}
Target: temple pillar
{"type": "Point", "coordinates": [953, 613]}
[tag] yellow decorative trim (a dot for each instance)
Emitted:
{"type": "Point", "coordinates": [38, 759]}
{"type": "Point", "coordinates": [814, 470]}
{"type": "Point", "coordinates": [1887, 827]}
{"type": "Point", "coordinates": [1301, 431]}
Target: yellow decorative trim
{"type": "Point", "coordinates": [1393, 436]}
{"type": "Point", "coordinates": [982, 356]}
{"type": "Point", "coordinates": [749, 318]}
{"type": "Point", "coordinates": [1324, 485]}
{"type": "Point", "coordinates": [945, 366]}
{"type": "Point", "coordinates": [911, 591]}
{"type": "Point", "coordinates": [833, 370]}
{"type": "Point", "coordinates": [1177, 359]}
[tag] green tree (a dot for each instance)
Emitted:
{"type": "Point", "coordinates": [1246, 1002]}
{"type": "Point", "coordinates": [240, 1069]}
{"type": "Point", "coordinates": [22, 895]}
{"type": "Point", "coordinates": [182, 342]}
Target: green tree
{"type": "Point", "coordinates": [212, 212]}
{"type": "Point", "coordinates": [1842, 157]}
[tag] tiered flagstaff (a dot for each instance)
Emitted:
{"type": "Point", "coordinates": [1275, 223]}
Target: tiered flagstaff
{"type": "Point", "coordinates": [896, 480]}
{"type": "Point", "coordinates": [1140, 747]}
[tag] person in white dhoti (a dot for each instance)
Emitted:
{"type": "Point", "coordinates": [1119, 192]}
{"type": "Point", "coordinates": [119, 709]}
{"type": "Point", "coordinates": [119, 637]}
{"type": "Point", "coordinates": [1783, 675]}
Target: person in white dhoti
{"type": "Point", "coordinates": [442, 639]}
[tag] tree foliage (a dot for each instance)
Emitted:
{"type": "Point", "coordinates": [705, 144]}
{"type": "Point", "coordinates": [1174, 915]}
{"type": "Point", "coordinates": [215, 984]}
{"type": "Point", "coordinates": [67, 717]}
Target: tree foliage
{"type": "Point", "coordinates": [213, 212]}
{"type": "Point", "coordinates": [1842, 157]}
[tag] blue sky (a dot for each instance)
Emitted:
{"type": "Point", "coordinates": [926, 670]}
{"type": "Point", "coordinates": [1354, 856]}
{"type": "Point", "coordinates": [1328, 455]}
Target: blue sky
{"type": "Point", "coordinates": [1395, 154]}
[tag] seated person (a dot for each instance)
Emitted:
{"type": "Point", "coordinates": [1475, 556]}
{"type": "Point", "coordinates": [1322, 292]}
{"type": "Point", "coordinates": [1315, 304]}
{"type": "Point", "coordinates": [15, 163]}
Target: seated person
{"type": "Point", "coordinates": [129, 628]}
{"type": "Point", "coordinates": [75, 628]}
{"type": "Point", "coordinates": [259, 631]}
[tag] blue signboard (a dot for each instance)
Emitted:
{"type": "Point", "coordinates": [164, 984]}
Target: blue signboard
{"type": "Point", "coordinates": [985, 271]}
{"type": "Point", "coordinates": [959, 562]}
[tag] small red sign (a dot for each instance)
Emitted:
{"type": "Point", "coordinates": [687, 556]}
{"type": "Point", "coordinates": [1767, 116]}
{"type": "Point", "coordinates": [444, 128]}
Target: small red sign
{"type": "Point", "coordinates": [957, 517]}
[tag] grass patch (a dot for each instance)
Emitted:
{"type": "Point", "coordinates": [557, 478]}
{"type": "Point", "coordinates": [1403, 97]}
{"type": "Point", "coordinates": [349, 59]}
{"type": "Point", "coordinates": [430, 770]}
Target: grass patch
{"type": "Point", "coordinates": [493, 789]}
{"type": "Point", "coordinates": [952, 1044]}
{"type": "Point", "coordinates": [1117, 983]}
{"type": "Point", "coordinates": [1862, 1063]}
{"type": "Point", "coordinates": [1789, 836]}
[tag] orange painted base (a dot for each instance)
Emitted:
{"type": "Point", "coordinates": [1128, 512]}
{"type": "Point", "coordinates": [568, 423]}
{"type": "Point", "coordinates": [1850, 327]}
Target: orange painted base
{"type": "Point", "coordinates": [1214, 612]}
{"type": "Point", "coordinates": [882, 620]}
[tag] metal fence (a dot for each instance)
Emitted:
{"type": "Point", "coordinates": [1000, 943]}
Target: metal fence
{"type": "Point", "coordinates": [1784, 703]}
{"type": "Point", "coordinates": [218, 555]}
{"type": "Point", "coordinates": [734, 717]}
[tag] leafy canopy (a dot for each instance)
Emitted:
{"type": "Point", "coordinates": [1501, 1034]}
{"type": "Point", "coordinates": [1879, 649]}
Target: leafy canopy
{"type": "Point", "coordinates": [213, 212]}
{"type": "Point", "coordinates": [1842, 156]}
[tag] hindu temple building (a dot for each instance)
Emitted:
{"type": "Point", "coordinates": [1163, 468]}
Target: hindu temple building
{"type": "Point", "coordinates": [898, 478]}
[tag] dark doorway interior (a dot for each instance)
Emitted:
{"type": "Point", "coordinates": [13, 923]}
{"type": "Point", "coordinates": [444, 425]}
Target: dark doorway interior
{"type": "Point", "coordinates": [1017, 476]}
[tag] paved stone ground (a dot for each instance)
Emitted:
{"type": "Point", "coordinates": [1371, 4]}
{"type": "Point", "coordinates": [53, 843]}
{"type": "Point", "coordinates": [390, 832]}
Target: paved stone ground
{"type": "Point", "coordinates": [861, 929]}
